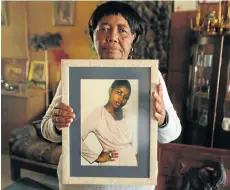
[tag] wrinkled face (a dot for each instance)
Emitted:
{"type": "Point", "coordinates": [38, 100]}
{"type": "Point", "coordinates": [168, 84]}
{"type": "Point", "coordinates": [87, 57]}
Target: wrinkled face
{"type": "Point", "coordinates": [119, 96]}
{"type": "Point", "coordinates": [113, 38]}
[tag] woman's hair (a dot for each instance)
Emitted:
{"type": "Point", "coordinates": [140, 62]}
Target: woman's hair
{"type": "Point", "coordinates": [119, 83]}
{"type": "Point", "coordinates": [114, 8]}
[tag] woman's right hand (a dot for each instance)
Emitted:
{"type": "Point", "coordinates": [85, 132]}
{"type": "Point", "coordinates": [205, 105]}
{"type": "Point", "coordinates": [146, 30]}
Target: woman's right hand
{"type": "Point", "coordinates": [107, 156]}
{"type": "Point", "coordinates": [62, 116]}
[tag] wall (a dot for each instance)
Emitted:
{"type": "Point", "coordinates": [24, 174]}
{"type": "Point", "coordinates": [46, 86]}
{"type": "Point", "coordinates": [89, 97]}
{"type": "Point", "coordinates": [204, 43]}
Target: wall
{"type": "Point", "coordinates": [13, 35]}
{"type": "Point", "coordinates": [37, 18]}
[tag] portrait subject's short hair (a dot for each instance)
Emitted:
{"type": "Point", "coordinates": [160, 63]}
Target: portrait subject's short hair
{"type": "Point", "coordinates": [114, 8]}
{"type": "Point", "coordinates": [119, 83]}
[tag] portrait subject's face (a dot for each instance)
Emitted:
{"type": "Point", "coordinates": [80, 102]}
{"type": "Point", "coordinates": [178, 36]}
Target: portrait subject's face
{"type": "Point", "coordinates": [113, 38]}
{"type": "Point", "coordinates": [119, 96]}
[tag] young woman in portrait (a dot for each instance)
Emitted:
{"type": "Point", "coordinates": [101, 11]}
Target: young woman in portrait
{"type": "Point", "coordinates": [111, 128]}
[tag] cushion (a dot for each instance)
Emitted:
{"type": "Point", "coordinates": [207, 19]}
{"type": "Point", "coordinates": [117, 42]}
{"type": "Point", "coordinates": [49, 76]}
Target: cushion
{"type": "Point", "coordinates": [37, 149]}
{"type": "Point", "coordinates": [28, 142]}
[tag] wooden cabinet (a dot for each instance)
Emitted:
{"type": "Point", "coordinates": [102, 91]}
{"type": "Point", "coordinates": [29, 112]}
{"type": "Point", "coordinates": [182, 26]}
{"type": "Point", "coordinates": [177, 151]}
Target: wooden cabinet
{"type": "Point", "coordinates": [19, 109]}
{"type": "Point", "coordinates": [207, 98]}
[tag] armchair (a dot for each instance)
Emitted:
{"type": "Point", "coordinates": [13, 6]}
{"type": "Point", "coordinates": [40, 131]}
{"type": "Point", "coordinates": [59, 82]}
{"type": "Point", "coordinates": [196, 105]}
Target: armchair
{"type": "Point", "coordinates": [29, 150]}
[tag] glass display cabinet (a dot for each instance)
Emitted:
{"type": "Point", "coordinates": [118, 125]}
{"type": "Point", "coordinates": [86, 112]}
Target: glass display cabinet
{"type": "Point", "coordinates": [208, 98]}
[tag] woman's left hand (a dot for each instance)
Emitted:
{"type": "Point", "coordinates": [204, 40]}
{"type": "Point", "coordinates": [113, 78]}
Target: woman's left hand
{"type": "Point", "coordinates": [158, 105]}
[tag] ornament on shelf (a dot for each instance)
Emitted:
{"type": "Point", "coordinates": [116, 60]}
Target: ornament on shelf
{"type": "Point", "coordinates": [197, 23]}
{"type": "Point", "coordinates": [211, 24]}
{"type": "Point", "coordinates": [226, 24]}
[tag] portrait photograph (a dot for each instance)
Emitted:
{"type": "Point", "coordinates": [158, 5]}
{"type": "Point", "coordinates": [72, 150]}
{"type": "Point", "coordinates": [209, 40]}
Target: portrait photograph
{"type": "Point", "coordinates": [109, 141]}
{"type": "Point", "coordinates": [122, 95]}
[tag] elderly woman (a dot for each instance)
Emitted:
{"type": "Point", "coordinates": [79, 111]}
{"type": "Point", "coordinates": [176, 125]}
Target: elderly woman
{"type": "Point", "coordinates": [114, 28]}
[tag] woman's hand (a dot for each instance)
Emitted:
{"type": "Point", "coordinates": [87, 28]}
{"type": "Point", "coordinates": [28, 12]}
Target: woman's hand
{"type": "Point", "coordinates": [158, 105]}
{"type": "Point", "coordinates": [107, 156]}
{"type": "Point", "coordinates": [62, 116]}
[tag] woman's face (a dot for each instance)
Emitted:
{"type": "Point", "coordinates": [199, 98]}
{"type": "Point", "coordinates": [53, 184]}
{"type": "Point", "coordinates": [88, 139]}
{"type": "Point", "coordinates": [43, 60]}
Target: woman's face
{"type": "Point", "coordinates": [113, 38]}
{"type": "Point", "coordinates": [119, 96]}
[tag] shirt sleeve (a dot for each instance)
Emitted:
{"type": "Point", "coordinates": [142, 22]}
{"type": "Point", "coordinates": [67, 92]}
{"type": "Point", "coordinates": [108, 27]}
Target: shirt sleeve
{"type": "Point", "coordinates": [88, 126]}
{"type": "Point", "coordinates": [171, 131]}
{"type": "Point", "coordinates": [47, 127]}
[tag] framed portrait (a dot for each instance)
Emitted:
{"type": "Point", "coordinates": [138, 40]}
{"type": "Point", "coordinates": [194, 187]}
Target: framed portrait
{"type": "Point", "coordinates": [63, 13]}
{"type": "Point", "coordinates": [113, 139]}
{"type": "Point", "coordinates": [37, 71]}
{"type": "Point", "coordinates": [182, 6]}
{"type": "Point", "coordinates": [4, 19]}
{"type": "Point", "coordinates": [14, 70]}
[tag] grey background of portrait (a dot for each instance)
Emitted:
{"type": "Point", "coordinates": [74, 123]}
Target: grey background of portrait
{"type": "Point", "coordinates": [142, 74]}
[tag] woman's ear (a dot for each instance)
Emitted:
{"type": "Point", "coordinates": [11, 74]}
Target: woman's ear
{"type": "Point", "coordinates": [134, 37]}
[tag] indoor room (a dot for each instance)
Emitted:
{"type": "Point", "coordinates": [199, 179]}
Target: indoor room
{"type": "Point", "coordinates": [188, 40]}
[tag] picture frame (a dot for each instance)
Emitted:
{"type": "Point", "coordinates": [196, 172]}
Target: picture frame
{"type": "Point", "coordinates": [79, 77]}
{"type": "Point", "coordinates": [4, 15]}
{"type": "Point", "coordinates": [15, 70]}
{"type": "Point", "coordinates": [183, 6]}
{"type": "Point", "coordinates": [63, 13]}
{"type": "Point", "coordinates": [37, 72]}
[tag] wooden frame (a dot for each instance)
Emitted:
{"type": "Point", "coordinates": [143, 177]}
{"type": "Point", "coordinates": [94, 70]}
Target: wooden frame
{"type": "Point", "coordinates": [63, 13]}
{"type": "Point", "coordinates": [74, 72]}
{"type": "Point", "coordinates": [4, 18]}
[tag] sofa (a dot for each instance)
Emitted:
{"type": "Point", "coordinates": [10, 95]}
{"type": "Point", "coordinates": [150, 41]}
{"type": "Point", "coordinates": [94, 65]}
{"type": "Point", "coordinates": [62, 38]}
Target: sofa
{"type": "Point", "coordinates": [29, 150]}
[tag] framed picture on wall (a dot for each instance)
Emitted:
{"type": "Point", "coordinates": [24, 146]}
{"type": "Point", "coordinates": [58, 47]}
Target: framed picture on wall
{"type": "Point", "coordinates": [4, 19]}
{"type": "Point", "coordinates": [63, 13]}
{"type": "Point", "coordinates": [113, 139]}
{"type": "Point", "coordinates": [14, 70]}
{"type": "Point", "coordinates": [37, 73]}
{"type": "Point", "coordinates": [182, 6]}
